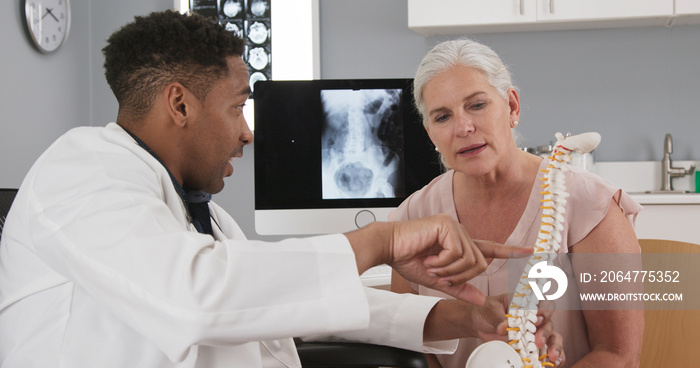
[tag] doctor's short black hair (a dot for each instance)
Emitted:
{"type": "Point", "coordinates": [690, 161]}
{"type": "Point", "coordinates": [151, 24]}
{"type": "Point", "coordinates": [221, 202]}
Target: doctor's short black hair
{"type": "Point", "coordinates": [147, 54]}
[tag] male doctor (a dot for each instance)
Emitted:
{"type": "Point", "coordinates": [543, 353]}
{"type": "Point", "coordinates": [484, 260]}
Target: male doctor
{"type": "Point", "coordinates": [105, 260]}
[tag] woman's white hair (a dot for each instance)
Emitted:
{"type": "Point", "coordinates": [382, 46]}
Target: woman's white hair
{"type": "Point", "coordinates": [464, 52]}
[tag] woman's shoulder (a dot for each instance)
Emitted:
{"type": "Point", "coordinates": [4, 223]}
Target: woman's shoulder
{"type": "Point", "coordinates": [590, 187]}
{"type": "Point", "coordinates": [435, 197]}
{"type": "Point", "coordinates": [589, 200]}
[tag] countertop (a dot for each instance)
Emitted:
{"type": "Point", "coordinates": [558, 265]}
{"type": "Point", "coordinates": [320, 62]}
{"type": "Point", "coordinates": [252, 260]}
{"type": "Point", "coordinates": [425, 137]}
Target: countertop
{"type": "Point", "coordinates": [661, 198]}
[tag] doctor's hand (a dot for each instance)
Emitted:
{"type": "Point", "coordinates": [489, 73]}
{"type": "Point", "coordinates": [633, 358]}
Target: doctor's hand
{"type": "Point", "coordinates": [434, 251]}
{"type": "Point", "coordinates": [490, 322]}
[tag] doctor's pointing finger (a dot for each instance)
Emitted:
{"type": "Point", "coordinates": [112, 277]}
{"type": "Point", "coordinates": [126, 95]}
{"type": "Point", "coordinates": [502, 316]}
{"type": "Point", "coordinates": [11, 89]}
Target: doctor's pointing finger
{"type": "Point", "coordinates": [435, 251]}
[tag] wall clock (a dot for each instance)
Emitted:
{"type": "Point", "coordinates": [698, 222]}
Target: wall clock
{"type": "Point", "coordinates": [48, 23]}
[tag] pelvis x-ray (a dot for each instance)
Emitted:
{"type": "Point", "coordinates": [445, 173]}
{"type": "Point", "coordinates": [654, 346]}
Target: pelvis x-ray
{"type": "Point", "coordinates": [362, 144]}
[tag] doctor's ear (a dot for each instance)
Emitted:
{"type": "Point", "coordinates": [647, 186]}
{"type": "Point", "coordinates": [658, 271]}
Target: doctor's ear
{"type": "Point", "coordinates": [176, 100]}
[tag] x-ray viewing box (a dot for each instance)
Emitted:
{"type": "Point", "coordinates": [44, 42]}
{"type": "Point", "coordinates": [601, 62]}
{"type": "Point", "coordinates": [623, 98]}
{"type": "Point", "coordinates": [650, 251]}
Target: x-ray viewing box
{"type": "Point", "coordinates": [334, 155]}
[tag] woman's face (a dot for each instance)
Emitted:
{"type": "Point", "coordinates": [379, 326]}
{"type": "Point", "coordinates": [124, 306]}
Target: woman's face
{"type": "Point", "coordinates": [469, 121]}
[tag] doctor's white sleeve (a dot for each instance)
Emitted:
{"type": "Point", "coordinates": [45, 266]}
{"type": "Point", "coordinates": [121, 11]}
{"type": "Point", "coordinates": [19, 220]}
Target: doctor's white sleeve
{"type": "Point", "coordinates": [180, 289]}
{"type": "Point", "coordinates": [395, 320]}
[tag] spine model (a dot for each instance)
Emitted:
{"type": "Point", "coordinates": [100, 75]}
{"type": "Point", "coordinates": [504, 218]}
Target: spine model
{"type": "Point", "coordinates": [522, 313]}
{"type": "Point", "coordinates": [523, 307]}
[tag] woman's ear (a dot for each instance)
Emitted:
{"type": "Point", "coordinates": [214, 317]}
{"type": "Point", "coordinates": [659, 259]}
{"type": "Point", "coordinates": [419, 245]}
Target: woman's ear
{"type": "Point", "coordinates": [514, 103]}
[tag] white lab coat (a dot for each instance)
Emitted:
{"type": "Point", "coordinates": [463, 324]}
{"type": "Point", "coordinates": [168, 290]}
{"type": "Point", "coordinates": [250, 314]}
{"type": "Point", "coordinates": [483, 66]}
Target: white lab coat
{"type": "Point", "coordinates": [100, 267]}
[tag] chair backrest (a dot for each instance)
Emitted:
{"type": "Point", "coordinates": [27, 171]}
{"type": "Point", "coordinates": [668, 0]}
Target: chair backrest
{"type": "Point", "coordinates": [669, 335]}
{"type": "Point", "coordinates": [321, 354]}
{"type": "Point", "coordinates": [6, 198]}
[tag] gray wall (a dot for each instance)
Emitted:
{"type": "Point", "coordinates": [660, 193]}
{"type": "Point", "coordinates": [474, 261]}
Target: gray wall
{"type": "Point", "coordinates": [632, 85]}
{"type": "Point", "coordinates": [44, 95]}
{"type": "Point", "coordinates": [41, 95]}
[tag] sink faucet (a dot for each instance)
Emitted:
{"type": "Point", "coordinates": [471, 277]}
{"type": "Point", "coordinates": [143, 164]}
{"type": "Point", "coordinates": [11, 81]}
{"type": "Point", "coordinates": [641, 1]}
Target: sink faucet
{"type": "Point", "coordinates": [667, 170]}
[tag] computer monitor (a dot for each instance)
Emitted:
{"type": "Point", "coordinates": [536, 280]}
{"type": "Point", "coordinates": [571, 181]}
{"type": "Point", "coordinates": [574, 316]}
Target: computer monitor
{"type": "Point", "coordinates": [334, 155]}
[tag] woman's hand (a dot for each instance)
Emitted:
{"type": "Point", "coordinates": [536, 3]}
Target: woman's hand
{"type": "Point", "coordinates": [545, 334]}
{"type": "Point", "coordinates": [490, 323]}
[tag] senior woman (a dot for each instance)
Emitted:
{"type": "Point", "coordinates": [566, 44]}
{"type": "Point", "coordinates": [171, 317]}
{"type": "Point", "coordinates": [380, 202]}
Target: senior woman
{"type": "Point", "coordinates": [469, 107]}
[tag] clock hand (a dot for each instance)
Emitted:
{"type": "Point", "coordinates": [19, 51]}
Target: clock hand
{"type": "Point", "coordinates": [49, 12]}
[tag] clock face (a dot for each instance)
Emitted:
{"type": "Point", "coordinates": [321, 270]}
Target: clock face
{"type": "Point", "coordinates": [48, 22]}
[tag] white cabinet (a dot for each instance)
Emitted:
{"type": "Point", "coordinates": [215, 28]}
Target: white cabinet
{"type": "Point", "coordinates": [687, 7]}
{"type": "Point", "coordinates": [687, 12]}
{"type": "Point", "coordinates": [441, 17]}
{"type": "Point", "coordinates": [669, 221]}
{"type": "Point", "coordinates": [598, 10]}
{"type": "Point", "coordinates": [450, 16]}
{"type": "Point", "coordinates": [669, 216]}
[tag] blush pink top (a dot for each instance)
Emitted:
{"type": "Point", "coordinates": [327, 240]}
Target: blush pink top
{"type": "Point", "coordinates": [588, 203]}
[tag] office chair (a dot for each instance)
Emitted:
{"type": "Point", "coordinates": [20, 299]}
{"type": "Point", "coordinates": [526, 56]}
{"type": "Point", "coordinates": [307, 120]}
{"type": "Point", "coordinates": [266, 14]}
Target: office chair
{"type": "Point", "coordinates": [6, 198]}
{"type": "Point", "coordinates": [357, 355]}
{"type": "Point", "coordinates": [669, 335]}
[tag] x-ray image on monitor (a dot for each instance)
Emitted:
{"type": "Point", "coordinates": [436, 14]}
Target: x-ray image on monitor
{"type": "Point", "coordinates": [362, 144]}
{"type": "Point", "coordinates": [333, 154]}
